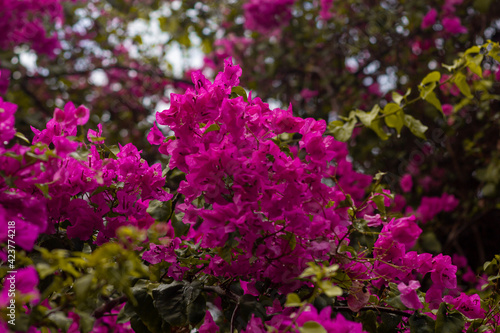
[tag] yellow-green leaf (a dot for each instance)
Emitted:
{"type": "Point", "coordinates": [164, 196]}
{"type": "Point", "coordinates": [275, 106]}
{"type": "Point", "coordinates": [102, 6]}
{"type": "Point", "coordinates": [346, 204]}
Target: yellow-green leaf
{"type": "Point", "coordinates": [415, 126]}
{"type": "Point", "coordinates": [462, 85]}
{"type": "Point", "coordinates": [474, 64]}
{"type": "Point", "coordinates": [22, 137]}
{"type": "Point", "coordinates": [312, 327]}
{"type": "Point", "coordinates": [329, 289]}
{"type": "Point", "coordinates": [431, 77]}
{"type": "Point", "coordinates": [376, 126]}
{"type": "Point", "coordinates": [394, 116]}
{"type": "Point", "coordinates": [367, 117]}
{"type": "Point", "coordinates": [293, 300]}
{"type": "Point", "coordinates": [431, 98]}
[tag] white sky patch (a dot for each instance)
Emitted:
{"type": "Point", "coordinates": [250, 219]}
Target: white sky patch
{"type": "Point", "coordinates": [28, 60]}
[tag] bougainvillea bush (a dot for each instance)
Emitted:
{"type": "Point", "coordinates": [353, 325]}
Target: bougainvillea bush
{"type": "Point", "coordinates": [256, 220]}
{"type": "Point", "coordinates": [269, 229]}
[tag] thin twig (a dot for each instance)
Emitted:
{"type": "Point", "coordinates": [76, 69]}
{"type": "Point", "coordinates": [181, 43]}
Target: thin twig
{"type": "Point", "coordinates": [107, 307]}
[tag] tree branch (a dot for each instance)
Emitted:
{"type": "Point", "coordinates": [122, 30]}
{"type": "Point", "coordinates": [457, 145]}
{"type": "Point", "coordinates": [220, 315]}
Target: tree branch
{"type": "Point", "coordinates": [221, 292]}
{"type": "Point", "coordinates": [107, 307]}
{"type": "Point", "coordinates": [374, 308]}
{"type": "Point", "coordinates": [104, 68]}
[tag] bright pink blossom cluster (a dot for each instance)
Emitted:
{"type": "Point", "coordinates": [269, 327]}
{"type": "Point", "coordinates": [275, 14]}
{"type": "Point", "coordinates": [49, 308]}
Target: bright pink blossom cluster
{"type": "Point", "coordinates": [23, 23]}
{"type": "Point", "coordinates": [266, 15]}
{"type": "Point", "coordinates": [267, 191]}
{"type": "Point", "coordinates": [262, 200]}
{"type": "Point", "coordinates": [52, 183]}
{"type": "Point", "coordinates": [451, 23]}
{"type": "Point", "coordinates": [265, 206]}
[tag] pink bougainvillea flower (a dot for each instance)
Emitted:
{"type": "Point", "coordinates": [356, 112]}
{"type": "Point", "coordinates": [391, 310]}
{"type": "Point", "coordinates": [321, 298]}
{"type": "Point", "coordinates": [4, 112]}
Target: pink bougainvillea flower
{"type": "Point", "coordinates": [404, 230]}
{"type": "Point", "coordinates": [326, 6]}
{"type": "Point", "coordinates": [431, 206]}
{"type": "Point", "coordinates": [469, 305]}
{"type": "Point", "coordinates": [7, 129]}
{"type": "Point", "coordinates": [4, 80]}
{"type": "Point", "coordinates": [447, 109]}
{"type": "Point", "coordinates": [307, 94]}
{"type": "Point", "coordinates": [208, 325]}
{"type": "Point", "coordinates": [373, 221]}
{"type": "Point", "coordinates": [444, 273]}
{"type": "Point", "coordinates": [24, 282]}
{"type": "Point", "coordinates": [453, 26]}
{"type": "Point", "coordinates": [92, 135]}
{"type": "Point", "coordinates": [406, 183]}
{"type": "Point", "coordinates": [266, 15]}
{"type": "Point", "coordinates": [155, 136]}
{"type": "Point", "coordinates": [448, 87]}
{"type": "Point", "coordinates": [429, 19]}
{"type": "Point", "coordinates": [409, 295]}
{"type": "Point", "coordinates": [339, 324]}
{"type": "Point", "coordinates": [449, 6]}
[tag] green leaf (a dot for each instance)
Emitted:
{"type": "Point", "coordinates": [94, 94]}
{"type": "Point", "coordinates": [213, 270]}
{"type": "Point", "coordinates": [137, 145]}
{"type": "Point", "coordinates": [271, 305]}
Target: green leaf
{"type": "Point", "coordinates": [44, 188]}
{"type": "Point", "coordinates": [473, 49]}
{"type": "Point", "coordinates": [474, 64]}
{"type": "Point", "coordinates": [389, 323]}
{"type": "Point", "coordinates": [431, 77]}
{"type": "Point", "coordinates": [170, 303]}
{"type": "Point", "coordinates": [82, 286]}
{"type": "Point", "coordinates": [312, 327]}
{"type": "Point", "coordinates": [397, 98]}
{"type": "Point", "coordinates": [369, 320]}
{"type": "Point", "coordinates": [379, 201]}
{"type": "Point", "coordinates": [145, 309]}
{"type": "Point", "coordinates": [431, 98]}
{"type": "Point", "coordinates": [196, 302]}
{"type": "Point", "coordinates": [329, 289]}
{"type": "Point", "coordinates": [212, 128]}
{"type": "Point", "coordinates": [416, 127]}
{"type": "Point", "coordinates": [368, 117]}
{"type": "Point", "coordinates": [457, 63]}
{"type": "Point", "coordinates": [60, 320]}
{"type": "Point", "coordinates": [460, 81]}
{"type": "Point", "coordinates": [138, 326]}
{"type": "Point", "coordinates": [394, 297]}
{"type": "Point", "coordinates": [394, 116]}
{"type": "Point", "coordinates": [159, 210]}
{"type": "Point", "coordinates": [376, 126]}
{"type": "Point", "coordinates": [239, 91]}
{"type": "Point", "coordinates": [312, 270]}
{"type": "Point", "coordinates": [420, 323]}
{"type": "Point", "coordinates": [293, 300]}
{"type": "Point", "coordinates": [449, 322]}
{"type": "Point", "coordinates": [427, 87]}
{"type": "Point", "coordinates": [22, 137]}
{"type": "Point", "coordinates": [86, 323]}
{"type": "Point", "coordinates": [344, 132]}
{"type": "Point", "coordinates": [163, 23]}
{"type": "Point", "coordinates": [113, 150]}
{"type": "Point", "coordinates": [249, 305]}
{"type": "Point", "coordinates": [179, 227]}
{"type": "Point", "coordinates": [495, 51]}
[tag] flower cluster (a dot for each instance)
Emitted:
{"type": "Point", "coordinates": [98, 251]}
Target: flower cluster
{"type": "Point", "coordinates": [451, 23]}
{"type": "Point", "coordinates": [61, 182]}
{"type": "Point", "coordinates": [265, 194]}
{"type": "Point", "coordinates": [266, 15]}
{"type": "Point", "coordinates": [263, 202]}
{"type": "Point", "coordinates": [23, 23]}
